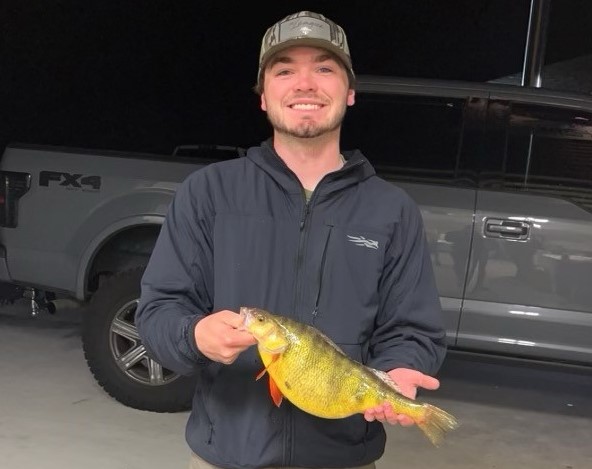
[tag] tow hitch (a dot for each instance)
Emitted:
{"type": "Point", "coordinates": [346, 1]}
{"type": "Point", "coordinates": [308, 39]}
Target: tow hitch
{"type": "Point", "coordinates": [40, 300]}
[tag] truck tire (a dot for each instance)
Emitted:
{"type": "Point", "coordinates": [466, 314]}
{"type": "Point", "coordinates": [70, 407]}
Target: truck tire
{"type": "Point", "coordinates": [116, 356]}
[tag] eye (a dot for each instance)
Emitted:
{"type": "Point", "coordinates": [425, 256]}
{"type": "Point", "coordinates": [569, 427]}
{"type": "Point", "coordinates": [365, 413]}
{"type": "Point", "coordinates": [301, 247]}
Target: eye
{"type": "Point", "coordinates": [260, 319]}
{"type": "Point", "coordinates": [325, 69]}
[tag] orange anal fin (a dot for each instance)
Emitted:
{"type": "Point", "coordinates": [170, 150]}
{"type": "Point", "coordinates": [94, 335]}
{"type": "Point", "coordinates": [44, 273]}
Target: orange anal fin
{"type": "Point", "coordinates": [274, 391]}
{"type": "Point", "coordinates": [276, 394]}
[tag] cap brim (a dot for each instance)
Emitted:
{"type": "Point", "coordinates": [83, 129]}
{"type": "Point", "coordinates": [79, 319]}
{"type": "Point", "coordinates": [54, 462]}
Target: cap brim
{"type": "Point", "coordinates": [307, 42]}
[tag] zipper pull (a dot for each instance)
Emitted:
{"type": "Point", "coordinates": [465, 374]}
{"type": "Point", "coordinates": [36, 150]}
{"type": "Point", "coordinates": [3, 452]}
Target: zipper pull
{"type": "Point", "coordinates": [315, 312]}
{"type": "Point", "coordinates": [303, 219]}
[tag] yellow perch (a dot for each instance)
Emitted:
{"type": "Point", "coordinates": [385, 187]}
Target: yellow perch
{"type": "Point", "coordinates": [315, 375]}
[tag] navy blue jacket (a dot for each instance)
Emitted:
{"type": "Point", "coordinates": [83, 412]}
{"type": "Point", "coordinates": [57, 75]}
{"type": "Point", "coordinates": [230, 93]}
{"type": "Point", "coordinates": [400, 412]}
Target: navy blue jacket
{"type": "Point", "coordinates": [353, 262]}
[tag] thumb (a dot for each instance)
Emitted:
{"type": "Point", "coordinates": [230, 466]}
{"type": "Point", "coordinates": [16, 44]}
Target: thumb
{"type": "Point", "coordinates": [240, 339]}
{"type": "Point", "coordinates": [428, 382]}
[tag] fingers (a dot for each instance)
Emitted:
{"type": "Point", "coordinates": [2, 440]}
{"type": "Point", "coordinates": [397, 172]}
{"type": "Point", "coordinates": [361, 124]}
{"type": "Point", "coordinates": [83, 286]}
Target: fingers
{"type": "Point", "coordinates": [385, 413]}
{"type": "Point", "coordinates": [239, 339]}
{"type": "Point", "coordinates": [231, 318]}
{"type": "Point", "coordinates": [382, 413]}
{"type": "Point", "coordinates": [229, 324]}
{"type": "Point", "coordinates": [408, 381]}
{"type": "Point", "coordinates": [405, 421]}
{"type": "Point", "coordinates": [219, 339]}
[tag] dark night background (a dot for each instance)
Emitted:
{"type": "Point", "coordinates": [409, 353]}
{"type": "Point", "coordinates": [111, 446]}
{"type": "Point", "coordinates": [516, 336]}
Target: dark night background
{"type": "Point", "coordinates": [149, 75]}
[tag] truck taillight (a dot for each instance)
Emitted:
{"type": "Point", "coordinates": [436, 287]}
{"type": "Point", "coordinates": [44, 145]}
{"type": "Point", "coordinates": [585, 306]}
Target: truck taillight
{"type": "Point", "coordinates": [13, 186]}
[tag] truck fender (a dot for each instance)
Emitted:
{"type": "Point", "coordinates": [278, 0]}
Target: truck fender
{"type": "Point", "coordinates": [101, 238]}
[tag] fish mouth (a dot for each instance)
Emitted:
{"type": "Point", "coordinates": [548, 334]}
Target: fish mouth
{"type": "Point", "coordinates": [246, 315]}
{"type": "Point", "coordinates": [264, 337]}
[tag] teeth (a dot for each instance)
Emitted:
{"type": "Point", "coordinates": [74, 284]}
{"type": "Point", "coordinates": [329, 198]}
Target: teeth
{"type": "Point", "coordinates": [306, 107]}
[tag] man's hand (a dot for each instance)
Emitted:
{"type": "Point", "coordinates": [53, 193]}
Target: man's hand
{"type": "Point", "coordinates": [408, 381]}
{"type": "Point", "coordinates": [218, 336]}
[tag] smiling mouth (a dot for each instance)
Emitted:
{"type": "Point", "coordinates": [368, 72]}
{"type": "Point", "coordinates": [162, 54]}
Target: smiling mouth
{"type": "Point", "coordinates": [305, 107]}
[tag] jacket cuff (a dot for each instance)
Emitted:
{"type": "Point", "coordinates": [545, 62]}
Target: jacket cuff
{"type": "Point", "coordinates": [389, 365]}
{"type": "Point", "coordinates": [191, 346]}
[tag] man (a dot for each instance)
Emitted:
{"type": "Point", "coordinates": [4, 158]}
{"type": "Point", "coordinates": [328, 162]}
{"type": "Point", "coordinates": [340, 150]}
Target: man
{"type": "Point", "coordinates": [302, 229]}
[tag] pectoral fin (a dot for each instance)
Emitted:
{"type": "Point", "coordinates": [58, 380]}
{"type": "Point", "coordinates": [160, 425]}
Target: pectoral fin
{"type": "Point", "coordinates": [264, 370]}
{"type": "Point", "coordinates": [273, 341]}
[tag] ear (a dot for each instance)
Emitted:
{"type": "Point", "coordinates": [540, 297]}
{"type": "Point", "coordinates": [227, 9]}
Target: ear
{"type": "Point", "coordinates": [263, 103]}
{"type": "Point", "coordinates": [351, 97]}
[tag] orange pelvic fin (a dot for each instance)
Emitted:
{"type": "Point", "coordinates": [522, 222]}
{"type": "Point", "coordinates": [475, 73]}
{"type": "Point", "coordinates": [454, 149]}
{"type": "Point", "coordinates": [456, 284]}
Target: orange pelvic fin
{"type": "Point", "coordinates": [274, 391]}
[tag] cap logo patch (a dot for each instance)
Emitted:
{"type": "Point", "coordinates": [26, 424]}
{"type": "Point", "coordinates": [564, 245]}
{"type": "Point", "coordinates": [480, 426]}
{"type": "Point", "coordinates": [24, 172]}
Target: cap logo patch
{"type": "Point", "coordinates": [314, 29]}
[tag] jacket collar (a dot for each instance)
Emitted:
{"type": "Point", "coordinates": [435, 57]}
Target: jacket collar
{"type": "Point", "coordinates": [357, 168]}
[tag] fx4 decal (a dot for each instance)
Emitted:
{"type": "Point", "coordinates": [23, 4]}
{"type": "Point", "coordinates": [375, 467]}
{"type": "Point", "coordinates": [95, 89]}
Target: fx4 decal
{"type": "Point", "coordinates": [70, 181]}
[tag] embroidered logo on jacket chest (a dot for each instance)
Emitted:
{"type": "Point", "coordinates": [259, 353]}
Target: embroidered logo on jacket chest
{"type": "Point", "coordinates": [364, 242]}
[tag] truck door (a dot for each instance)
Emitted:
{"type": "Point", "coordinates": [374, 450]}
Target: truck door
{"type": "Point", "coordinates": [420, 144]}
{"type": "Point", "coordinates": [529, 291]}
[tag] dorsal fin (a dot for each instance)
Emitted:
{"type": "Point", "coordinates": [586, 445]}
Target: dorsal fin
{"type": "Point", "coordinates": [328, 340]}
{"type": "Point", "coordinates": [386, 379]}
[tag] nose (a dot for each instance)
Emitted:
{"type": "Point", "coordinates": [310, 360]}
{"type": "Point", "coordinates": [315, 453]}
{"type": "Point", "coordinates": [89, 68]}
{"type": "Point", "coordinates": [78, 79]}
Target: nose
{"type": "Point", "coordinates": [306, 81]}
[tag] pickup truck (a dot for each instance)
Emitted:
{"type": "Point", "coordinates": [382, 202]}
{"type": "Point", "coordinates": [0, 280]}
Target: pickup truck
{"type": "Point", "coordinates": [502, 174]}
{"type": "Point", "coordinates": [81, 224]}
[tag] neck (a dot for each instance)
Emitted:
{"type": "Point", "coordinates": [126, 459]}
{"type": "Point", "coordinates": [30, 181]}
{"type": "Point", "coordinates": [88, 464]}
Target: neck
{"type": "Point", "coordinates": [309, 158]}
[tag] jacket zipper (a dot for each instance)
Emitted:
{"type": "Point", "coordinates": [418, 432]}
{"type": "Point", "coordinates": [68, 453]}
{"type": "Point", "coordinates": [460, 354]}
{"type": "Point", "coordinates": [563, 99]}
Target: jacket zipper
{"type": "Point", "coordinates": [289, 424]}
{"type": "Point", "coordinates": [305, 213]}
{"type": "Point", "coordinates": [300, 256]}
{"type": "Point", "coordinates": [315, 310]}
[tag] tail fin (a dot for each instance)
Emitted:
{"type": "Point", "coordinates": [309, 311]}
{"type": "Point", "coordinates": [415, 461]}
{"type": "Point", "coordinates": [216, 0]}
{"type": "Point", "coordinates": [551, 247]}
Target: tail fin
{"type": "Point", "coordinates": [435, 423]}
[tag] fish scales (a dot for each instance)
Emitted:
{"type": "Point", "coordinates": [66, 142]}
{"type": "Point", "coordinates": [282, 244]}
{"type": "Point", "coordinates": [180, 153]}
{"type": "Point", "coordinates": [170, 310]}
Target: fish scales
{"type": "Point", "coordinates": [318, 377]}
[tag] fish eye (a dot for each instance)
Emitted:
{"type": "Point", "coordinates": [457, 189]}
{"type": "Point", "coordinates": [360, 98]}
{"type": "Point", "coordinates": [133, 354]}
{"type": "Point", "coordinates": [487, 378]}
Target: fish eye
{"type": "Point", "coordinates": [260, 319]}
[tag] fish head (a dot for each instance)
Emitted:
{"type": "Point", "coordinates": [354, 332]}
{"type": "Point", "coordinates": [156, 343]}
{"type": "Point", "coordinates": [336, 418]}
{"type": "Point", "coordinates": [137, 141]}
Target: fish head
{"type": "Point", "coordinates": [265, 327]}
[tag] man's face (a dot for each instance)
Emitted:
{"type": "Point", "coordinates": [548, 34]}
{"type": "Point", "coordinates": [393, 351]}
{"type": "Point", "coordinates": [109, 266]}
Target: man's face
{"type": "Point", "coordinates": [305, 92]}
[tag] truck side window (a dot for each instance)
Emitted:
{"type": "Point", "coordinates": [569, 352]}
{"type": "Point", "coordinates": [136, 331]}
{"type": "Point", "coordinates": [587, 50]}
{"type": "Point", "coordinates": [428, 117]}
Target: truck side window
{"type": "Point", "coordinates": [549, 151]}
{"type": "Point", "coordinates": [410, 137]}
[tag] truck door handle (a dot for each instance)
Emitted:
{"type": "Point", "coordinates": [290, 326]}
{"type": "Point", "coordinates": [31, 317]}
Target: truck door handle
{"type": "Point", "coordinates": [504, 228]}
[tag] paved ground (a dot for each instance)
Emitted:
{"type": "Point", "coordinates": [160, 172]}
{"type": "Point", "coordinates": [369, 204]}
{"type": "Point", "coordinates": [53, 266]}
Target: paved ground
{"type": "Point", "coordinates": [53, 414]}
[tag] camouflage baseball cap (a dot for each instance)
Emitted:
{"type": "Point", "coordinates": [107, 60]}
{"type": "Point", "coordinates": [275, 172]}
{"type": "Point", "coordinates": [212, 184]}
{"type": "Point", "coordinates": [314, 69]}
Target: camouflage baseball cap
{"type": "Point", "coordinates": [305, 29]}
